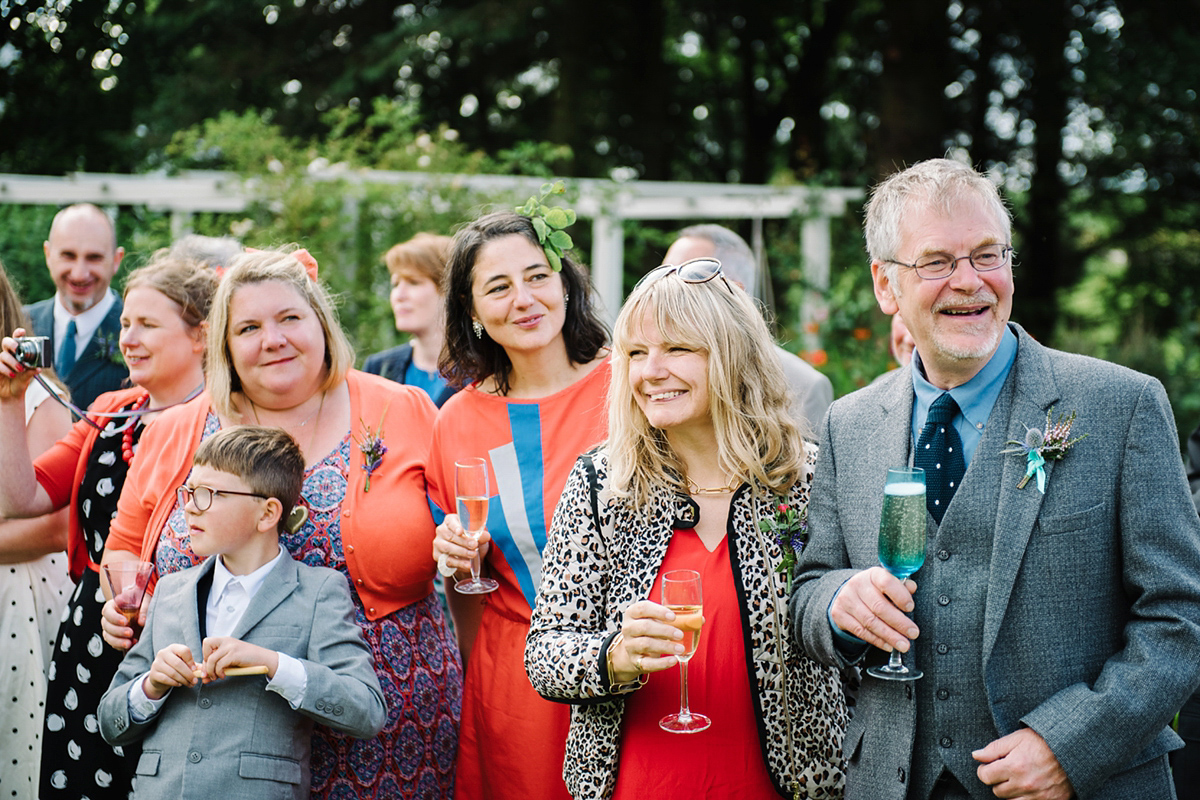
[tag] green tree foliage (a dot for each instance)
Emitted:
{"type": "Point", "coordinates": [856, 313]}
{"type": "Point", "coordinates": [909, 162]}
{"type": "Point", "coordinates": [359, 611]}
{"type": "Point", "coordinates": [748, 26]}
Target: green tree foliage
{"type": "Point", "coordinates": [1086, 110]}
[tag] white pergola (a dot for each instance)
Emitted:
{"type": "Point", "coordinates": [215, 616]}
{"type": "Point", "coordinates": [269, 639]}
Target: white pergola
{"type": "Point", "coordinates": [607, 203]}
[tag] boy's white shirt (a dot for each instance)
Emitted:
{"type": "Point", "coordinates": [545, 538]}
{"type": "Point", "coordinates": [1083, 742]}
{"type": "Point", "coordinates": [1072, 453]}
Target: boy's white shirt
{"type": "Point", "coordinates": [228, 600]}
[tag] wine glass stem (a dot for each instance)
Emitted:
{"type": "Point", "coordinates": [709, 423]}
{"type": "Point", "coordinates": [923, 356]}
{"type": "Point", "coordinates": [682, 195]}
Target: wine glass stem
{"type": "Point", "coordinates": [894, 662]}
{"type": "Point", "coordinates": [684, 711]}
{"type": "Point", "coordinates": [475, 569]}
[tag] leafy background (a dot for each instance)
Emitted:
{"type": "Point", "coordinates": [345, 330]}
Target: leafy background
{"type": "Point", "coordinates": [1084, 110]}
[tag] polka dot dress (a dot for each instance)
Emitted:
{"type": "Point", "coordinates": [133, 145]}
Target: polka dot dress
{"type": "Point", "coordinates": [76, 762]}
{"type": "Point", "coordinates": [32, 597]}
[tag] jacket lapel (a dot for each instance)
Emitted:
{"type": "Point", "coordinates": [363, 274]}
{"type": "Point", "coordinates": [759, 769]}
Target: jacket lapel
{"type": "Point", "coordinates": [94, 356]}
{"type": "Point", "coordinates": [1034, 392]}
{"type": "Point", "coordinates": [889, 444]}
{"type": "Point", "coordinates": [189, 606]}
{"type": "Point", "coordinates": [279, 584]}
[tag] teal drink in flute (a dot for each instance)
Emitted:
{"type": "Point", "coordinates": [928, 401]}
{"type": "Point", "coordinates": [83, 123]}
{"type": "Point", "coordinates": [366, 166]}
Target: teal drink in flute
{"type": "Point", "coordinates": [901, 545]}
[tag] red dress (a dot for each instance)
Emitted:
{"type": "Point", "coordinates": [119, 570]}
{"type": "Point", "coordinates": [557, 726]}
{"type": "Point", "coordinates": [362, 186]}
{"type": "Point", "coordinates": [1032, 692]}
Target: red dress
{"type": "Point", "coordinates": [512, 741]}
{"type": "Point", "coordinates": [726, 760]}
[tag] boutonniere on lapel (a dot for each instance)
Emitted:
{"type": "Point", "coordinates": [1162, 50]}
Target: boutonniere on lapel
{"type": "Point", "coordinates": [371, 445]}
{"type": "Point", "coordinates": [109, 348]}
{"type": "Point", "coordinates": [1041, 446]}
{"type": "Point", "coordinates": [790, 529]}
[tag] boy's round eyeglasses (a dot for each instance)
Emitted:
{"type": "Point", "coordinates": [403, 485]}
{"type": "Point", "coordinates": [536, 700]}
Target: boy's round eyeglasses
{"type": "Point", "coordinates": [697, 270]}
{"type": "Point", "coordinates": [202, 496]}
{"type": "Point", "coordinates": [936, 266]}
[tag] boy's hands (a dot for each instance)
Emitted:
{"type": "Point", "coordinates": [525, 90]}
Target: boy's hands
{"type": "Point", "coordinates": [173, 666]}
{"type": "Point", "coordinates": [224, 652]}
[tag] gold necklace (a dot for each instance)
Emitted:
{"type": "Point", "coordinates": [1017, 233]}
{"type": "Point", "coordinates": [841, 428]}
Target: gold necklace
{"type": "Point", "coordinates": [693, 489]}
{"type": "Point", "coordinates": [311, 439]}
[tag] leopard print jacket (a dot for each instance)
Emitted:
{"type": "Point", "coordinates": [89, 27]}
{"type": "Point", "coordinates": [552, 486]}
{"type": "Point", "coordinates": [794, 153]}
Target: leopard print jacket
{"type": "Point", "coordinates": [603, 555]}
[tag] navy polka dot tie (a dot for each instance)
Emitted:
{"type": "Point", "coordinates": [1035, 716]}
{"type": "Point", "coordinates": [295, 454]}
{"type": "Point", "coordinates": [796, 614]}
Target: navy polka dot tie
{"type": "Point", "coordinates": [939, 453]}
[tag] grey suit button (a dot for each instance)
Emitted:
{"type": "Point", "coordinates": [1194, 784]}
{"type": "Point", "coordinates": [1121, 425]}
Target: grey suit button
{"type": "Point", "coordinates": [944, 554]}
{"type": "Point", "coordinates": [942, 694]}
{"type": "Point", "coordinates": [320, 705]}
{"type": "Point", "coordinates": [946, 741]}
{"type": "Point", "coordinates": [944, 600]}
{"type": "Point", "coordinates": [194, 757]}
{"type": "Point", "coordinates": [943, 649]}
{"type": "Point", "coordinates": [337, 711]}
{"type": "Point", "coordinates": [205, 702]}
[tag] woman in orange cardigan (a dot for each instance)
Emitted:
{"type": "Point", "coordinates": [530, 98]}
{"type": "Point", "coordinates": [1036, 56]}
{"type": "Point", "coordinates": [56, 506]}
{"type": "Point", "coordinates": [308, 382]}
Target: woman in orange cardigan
{"type": "Point", "coordinates": [277, 356]}
{"type": "Point", "coordinates": [162, 341]}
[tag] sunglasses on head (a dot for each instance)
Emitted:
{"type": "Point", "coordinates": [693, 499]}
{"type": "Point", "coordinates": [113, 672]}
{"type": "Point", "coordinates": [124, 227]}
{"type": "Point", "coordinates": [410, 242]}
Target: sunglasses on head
{"type": "Point", "coordinates": [697, 270]}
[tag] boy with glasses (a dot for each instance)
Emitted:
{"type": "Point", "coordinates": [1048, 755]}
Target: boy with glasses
{"type": "Point", "coordinates": [213, 724]}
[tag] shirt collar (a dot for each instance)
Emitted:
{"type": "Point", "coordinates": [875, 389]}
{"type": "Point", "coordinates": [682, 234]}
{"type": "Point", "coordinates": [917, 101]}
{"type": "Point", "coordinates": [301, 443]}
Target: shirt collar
{"type": "Point", "coordinates": [251, 583]}
{"type": "Point", "coordinates": [976, 397]}
{"type": "Point", "coordinates": [86, 322]}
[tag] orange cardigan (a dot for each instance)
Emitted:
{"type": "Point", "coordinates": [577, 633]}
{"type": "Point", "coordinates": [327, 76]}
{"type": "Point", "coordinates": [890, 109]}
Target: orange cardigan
{"type": "Point", "coordinates": [61, 469]}
{"type": "Point", "coordinates": [387, 533]}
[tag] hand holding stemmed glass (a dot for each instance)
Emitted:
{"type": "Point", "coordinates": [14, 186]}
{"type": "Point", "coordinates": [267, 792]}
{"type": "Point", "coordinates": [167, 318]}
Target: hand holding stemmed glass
{"type": "Point", "coordinates": [901, 546]}
{"type": "Point", "coordinates": [681, 593]}
{"type": "Point", "coordinates": [471, 494]}
{"type": "Point", "coordinates": [127, 582]}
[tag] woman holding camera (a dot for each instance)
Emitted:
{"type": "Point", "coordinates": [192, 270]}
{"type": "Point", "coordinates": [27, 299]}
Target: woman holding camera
{"type": "Point", "coordinates": [162, 341]}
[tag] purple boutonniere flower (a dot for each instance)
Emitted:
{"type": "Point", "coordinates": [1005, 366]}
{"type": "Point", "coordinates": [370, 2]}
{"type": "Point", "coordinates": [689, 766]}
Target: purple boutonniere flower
{"type": "Point", "coordinates": [790, 529]}
{"type": "Point", "coordinates": [371, 445]}
{"type": "Point", "coordinates": [1040, 446]}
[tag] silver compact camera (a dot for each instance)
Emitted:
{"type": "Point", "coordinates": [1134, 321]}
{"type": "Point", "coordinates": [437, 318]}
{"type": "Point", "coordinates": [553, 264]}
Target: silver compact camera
{"type": "Point", "coordinates": [34, 352]}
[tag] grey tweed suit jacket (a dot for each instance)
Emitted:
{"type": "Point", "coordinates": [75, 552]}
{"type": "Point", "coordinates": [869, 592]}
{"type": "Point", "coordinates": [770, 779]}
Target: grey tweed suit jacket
{"type": "Point", "coordinates": [1091, 618]}
{"type": "Point", "coordinates": [232, 739]}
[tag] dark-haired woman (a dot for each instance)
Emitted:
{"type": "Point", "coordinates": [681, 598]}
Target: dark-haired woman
{"type": "Point", "coordinates": [530, 349]}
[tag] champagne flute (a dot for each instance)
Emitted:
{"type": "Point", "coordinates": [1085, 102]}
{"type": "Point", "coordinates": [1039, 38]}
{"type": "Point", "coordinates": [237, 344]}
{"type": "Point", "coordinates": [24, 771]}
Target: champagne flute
{"type": "Point", "coordinates": [901, 546]}
{"type": "Point", "coordinates": [471, 493]}
{"type": "Point", "coordinates": [681, 594]}
{"type": "Point", "coordinates": [127, 580]}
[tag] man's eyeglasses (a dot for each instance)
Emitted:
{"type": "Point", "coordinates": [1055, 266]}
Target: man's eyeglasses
{"type": "Point", "coordinates": [936, 266]}
{"type": "Point", "coordinates": [697, 270]}
{"type": "Point", "coordinates": [202, 496]}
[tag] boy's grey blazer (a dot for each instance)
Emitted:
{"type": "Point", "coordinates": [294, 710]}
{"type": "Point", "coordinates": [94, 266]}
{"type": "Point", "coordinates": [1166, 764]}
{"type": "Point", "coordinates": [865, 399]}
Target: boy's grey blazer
{"type": "Point", "coordinates": [232, 739]}
{"type": "Point", "coordinates": [1091, 618]}
{"type": "Point", "coordinates": [95, 371]}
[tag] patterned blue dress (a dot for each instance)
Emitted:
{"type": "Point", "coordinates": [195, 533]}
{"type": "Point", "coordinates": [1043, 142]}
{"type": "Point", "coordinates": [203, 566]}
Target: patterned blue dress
{"type": "Point", "coordinates": [415, 657]}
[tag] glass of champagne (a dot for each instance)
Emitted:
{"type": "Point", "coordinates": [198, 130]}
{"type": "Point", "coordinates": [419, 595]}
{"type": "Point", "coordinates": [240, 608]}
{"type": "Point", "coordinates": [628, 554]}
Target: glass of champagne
{"type": "Point", "coordinates": [681, 594]}
{"type": "Point", "coordinates": [471, 492]}
{"type": "Point", "coordinates": [901, 546]}
{"type": "Point", "coordinates": [127, 580]}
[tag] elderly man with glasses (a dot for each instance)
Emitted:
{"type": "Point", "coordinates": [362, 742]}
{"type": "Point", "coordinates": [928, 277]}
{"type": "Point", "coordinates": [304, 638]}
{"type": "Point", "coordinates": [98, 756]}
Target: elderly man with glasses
{"type": "Point", "coordinates": [1057, 614]}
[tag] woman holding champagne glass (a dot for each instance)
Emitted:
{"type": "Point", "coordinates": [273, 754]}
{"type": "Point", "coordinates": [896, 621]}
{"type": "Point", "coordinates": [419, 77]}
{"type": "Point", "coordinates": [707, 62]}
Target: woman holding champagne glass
{"type": "Point", "coordinates": [701, 450]}
{"type": "Point", "coordinates": [530, 348]}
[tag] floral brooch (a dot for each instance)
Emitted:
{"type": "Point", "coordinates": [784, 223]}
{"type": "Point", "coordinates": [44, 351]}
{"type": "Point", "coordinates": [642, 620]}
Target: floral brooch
{"type": "Point", "coordinates": [371, 445]}
{"type": "Point", "coordinates": [110, 348]}
{"type": "Point", "coordinates": [1040, 446]}
{"type": "Point", "coordinates": [790, 529]}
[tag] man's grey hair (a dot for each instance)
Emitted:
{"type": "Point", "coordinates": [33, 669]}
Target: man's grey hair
{"type": "Point", "coordinates": [938, 183]}
{"type": "Point", "coordinates": [736, 257]}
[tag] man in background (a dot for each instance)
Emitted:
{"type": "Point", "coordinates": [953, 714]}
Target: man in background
{"type": "Point", "coordinates": [811, 391]}
{"type": "Point", "coordinates": [83, 319]}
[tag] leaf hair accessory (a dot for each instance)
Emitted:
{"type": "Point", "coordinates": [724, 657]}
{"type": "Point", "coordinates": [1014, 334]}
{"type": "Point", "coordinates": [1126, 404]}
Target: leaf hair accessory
{"type": "Point", "coordinates": [548, 222]}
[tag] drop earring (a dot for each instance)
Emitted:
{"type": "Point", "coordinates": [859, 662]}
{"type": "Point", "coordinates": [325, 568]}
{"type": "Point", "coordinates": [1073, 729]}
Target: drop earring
{"type": "Point", "coordinates": [475, 326]}
{"type": "Point", "coordinates": [566, 298]}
